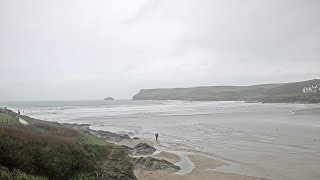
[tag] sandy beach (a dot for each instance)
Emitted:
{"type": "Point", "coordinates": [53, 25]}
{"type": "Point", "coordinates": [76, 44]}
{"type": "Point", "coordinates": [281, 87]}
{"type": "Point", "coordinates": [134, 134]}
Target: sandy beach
{"type": "Point", "coordinates": [204, 170]}
{"type": "Point", "coordinates": [204, 167]}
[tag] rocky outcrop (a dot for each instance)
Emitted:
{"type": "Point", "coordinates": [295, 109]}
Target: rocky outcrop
{"type": "Point", "coordinates": [109, 99]}
{"type": "Point", "coordinates": [116, 168]}
{"type": "Point", "coordinates": [139, 149]}
{"type": "Point", "coordinates": [110, 136]}
{"type": "Point", "coordinates": [152, 164]}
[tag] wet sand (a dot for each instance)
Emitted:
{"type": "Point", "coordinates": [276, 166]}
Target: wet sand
{"type": "Point", "coordinates": [203, 167]}
{"type": "Point", "coordinates": [255, 140]}
{"type": "Point", "coordinates": [171, 157]}
{"type": "Point", "coordinates": [204, 170]}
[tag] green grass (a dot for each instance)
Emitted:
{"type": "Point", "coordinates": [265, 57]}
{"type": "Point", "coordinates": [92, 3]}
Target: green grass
{"type": "Point", "coordinates": [4, 117]}
{"type": "Point", "coordinates": [85, 138]}
{"type": "Point", "coordinates": [6, 174]}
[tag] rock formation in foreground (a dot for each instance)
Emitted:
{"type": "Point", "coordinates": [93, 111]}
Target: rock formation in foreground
{"type": "Point", "coordinates": [153, 164]}
{"type": "Point", "coordinates": [140, 149]}
{"type": "Point", "coordinates": [110, 136]}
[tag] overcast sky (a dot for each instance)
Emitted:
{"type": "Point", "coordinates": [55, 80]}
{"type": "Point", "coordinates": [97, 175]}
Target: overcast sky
{"type": "Point", "coordinates": [84, 49]}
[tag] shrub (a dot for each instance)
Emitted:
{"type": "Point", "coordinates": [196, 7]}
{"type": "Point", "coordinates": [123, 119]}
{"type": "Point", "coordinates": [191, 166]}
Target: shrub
{"type": "Point", "coordinates": [42, 153]}
{"type": "Point", "coordinates": [6, 174]}
{"type": "Point", "coordinates": [45, 149]}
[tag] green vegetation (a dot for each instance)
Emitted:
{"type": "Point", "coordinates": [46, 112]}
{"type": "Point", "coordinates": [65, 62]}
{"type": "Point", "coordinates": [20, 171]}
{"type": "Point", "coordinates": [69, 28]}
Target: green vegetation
{"type": "Point", "coordinates": [292, 98]}
{"type": "Point", "coordinates": [6, 118]}
{"type": "Point", "coordinates": [284, 93]}
{"type": "Point", "coordinates": [49, 150]}
{"type": "Point", "coordinates": [6, 174]}
{"type": "Point", "coordinates": [86, 138]}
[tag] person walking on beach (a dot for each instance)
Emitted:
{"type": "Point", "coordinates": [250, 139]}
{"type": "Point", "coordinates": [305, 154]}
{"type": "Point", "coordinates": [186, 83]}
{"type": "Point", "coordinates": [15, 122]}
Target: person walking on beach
{"type": "Point", "coordinates": [157, 135]}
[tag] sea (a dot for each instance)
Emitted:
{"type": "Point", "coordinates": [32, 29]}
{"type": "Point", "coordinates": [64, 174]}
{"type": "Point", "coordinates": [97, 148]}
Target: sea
{"type": "Point", "coordinates": [276, 141]}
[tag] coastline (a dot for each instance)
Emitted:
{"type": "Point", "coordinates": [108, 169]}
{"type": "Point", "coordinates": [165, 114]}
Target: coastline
{"type": "Point", "coordinates": [221, 135]}
{"type": "Point", "coordinates": [203, 166]}
{"type": "Point", "coordinates": [193, 165]}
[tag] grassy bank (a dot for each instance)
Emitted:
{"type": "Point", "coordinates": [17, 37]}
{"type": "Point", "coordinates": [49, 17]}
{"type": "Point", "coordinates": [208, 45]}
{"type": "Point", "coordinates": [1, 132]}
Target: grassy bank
{"type": "Point", "coordinates": [6, 118]}
{"type": "Point", "coordinates": [46, 150]}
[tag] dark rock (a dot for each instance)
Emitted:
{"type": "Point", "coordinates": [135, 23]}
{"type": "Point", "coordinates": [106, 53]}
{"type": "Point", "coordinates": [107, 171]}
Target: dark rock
{"type": "Point", "coordinates": [110, 136]}
{"type": "Point", "coordinates": [126, 136]}
{"type": "Point", "coordinates": [139, 149]}
{"type": "Point", "coordinates": [143, 149]}
{"type": "Point", "coordinates": [135, 138]}
{"type": "Point", "coordinates": [109, 99]}
{"type": "Point", "coordinates": [127, 149]}
{"type": "Point", "coordinates": [152, 164]}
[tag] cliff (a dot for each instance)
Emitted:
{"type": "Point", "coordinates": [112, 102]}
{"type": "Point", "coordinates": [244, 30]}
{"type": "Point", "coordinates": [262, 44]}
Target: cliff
{"type": "Point", "coordinates": [284, 92]}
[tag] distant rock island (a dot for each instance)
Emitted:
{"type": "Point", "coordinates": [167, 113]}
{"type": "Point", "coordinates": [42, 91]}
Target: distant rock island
{"type": "Point", "coordinates": [109, 99]}
{"type": "Point", "coordinates": [294, 92]}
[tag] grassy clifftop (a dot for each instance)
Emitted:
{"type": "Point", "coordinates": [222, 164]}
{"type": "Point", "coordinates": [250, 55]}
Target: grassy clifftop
{"type": "Point", "coordinates": [285, 92]}
{"type": "Point", "coordinates": [45, 150]}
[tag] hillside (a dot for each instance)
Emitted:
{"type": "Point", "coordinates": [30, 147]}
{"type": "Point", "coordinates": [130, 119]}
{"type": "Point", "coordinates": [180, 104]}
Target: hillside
{"type": "Point", "coordinates": [284, 92]}
{"type": "Point", "coordinates": [46, 150]}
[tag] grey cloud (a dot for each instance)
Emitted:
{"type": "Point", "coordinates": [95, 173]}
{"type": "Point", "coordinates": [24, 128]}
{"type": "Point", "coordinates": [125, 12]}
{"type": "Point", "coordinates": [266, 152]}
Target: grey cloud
{"type": "Point", "coordinates": [91, 49]}
{"type": "Point", "coordinates": [148, 6]}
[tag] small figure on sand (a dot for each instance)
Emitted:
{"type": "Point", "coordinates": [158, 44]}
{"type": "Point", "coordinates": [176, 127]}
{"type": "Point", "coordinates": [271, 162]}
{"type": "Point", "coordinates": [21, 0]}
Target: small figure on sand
{"type": "Point", "coordinates": [157, 135]}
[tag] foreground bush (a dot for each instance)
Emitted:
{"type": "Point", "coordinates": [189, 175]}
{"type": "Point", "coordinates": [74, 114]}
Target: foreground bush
{"type": "Point", "coordinates": [6, 174]}
{"type": "Point", "coordinates": [56, 152]}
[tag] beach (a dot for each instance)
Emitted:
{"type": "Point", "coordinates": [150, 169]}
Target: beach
{"type": "Point", "coordinates": [208, 140]}
{"type": "Point", "coordinates": [202, 167]}
{"type": "Point", "coordinates": [204, 170]}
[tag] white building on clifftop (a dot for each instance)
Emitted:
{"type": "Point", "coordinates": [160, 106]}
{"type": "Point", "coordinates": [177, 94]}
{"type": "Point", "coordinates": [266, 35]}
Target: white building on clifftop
{"type": "Point", "coordinates": [311, 89]}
